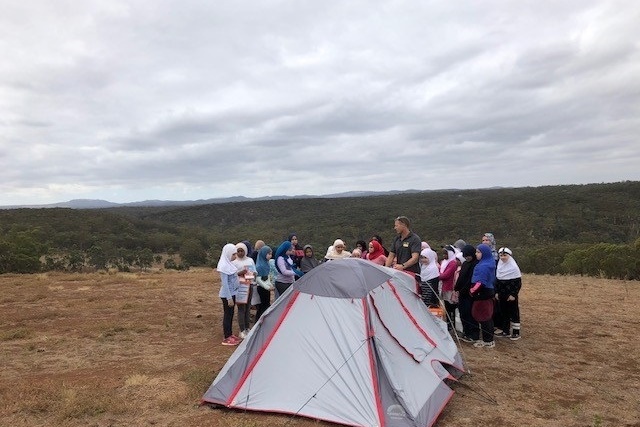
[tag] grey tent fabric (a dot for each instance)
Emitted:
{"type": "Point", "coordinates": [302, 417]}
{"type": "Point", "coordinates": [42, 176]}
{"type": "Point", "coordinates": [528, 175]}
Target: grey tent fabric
{"type": "Point", "coordinates": [350, 343]}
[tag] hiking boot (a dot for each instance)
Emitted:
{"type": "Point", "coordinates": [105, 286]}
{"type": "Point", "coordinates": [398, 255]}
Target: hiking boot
{"type": "Point", "coordinates": [515, 336]}
{"type": "Point", "coordinates": [484, 344]}
{"type": "Point", "coordinates": [503, 334]}
{"type": "Point", "coordinates": [229, 341]}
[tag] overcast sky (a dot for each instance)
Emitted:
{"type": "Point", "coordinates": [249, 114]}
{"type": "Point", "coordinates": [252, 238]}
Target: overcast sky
{"type": "Point", "coordinates": [182, 100]}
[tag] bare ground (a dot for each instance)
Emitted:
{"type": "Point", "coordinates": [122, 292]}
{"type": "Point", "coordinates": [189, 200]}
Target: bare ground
{"type": "Point", "coordinates": [140, 349]}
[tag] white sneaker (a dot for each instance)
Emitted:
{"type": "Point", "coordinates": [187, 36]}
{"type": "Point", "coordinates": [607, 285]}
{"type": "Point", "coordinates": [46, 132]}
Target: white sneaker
{"type": "Point", "coordinates": [480, 344]}
{"type": "Point", "coordinates": [243, 334]}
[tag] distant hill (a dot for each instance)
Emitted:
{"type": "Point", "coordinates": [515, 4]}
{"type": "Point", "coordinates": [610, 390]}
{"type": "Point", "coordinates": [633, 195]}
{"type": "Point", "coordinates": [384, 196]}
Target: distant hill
{"type": "Point", "coordinates": [101, 204]}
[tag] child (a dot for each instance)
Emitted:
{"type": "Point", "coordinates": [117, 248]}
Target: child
{"type": "Point", "coordinates": [429, 276]}
{"type": "Point", "coordinates": [470, 330]}
{"type": "Point", "coordinates": [265, 285]}
{"type": "Point", "coordinates": [448, 268]}
{"type": "Point", "coordinates": [245, 264]}
{"type": "Point", "coordinates": [309, 262]}
{"type": "Point", "coordinates": [228, 290]}
{"type": "Point", "coordinates": [508, 284]}
{"type": "Point", "coordinates": [482, 291]}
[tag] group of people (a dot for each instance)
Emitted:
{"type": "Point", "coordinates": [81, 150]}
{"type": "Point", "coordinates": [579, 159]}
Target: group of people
{"type": "Point", "coordinates": [481, 282]}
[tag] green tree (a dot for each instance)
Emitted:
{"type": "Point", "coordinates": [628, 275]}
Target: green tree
{"type": "Point", "coordinates": [145, 258]}
{"type": "Point", "coordinates": [193, 252]}
{"type": "Point", "coordinates": [20, 252]}
{"type": "Point", "coordinates": [75, 260]}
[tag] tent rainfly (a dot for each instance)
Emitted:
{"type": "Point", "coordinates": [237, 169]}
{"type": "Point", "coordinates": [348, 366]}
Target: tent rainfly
{"type": "Point", "coordinates": [350, 343]}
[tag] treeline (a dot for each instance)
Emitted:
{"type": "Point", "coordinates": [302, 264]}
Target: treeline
{"type": "Point", "coordinates": [578, 229]}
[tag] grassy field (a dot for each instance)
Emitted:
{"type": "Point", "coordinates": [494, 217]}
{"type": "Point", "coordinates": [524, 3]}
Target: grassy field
{"type": "Point", "coordinates": [121, 349]}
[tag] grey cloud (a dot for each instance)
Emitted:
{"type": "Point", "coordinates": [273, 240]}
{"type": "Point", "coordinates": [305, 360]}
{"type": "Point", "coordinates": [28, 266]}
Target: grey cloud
{"type": "Point", "coordinates": [194, 99]}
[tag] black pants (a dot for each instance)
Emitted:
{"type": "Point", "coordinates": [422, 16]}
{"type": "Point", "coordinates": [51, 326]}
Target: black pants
{"type": "Point", "coordinates": [281, 287]}
{"type": "Point", "coordinates": [265, 301]}
{"type": "Point", "coordinates": [470, 327]}
{"type": "Point", "coordinates": [227, 317]}
{"type": "Point", "coordinates": [510, 311]}
{"type": "Point", "coordinates": [451, 314]}
{"type": "Point", "coordinates": [487, 330]}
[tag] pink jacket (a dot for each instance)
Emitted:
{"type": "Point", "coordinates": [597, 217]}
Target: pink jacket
{"type": "Point", "coordinates": [447, 277]}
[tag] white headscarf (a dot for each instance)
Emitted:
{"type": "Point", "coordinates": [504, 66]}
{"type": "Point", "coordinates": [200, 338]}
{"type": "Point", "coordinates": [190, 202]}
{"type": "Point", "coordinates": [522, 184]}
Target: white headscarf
{"type": "Point", "coordinates": [333, 254]}
{"type": "Point", "coordinates": [451, 256]}
{"type": "Point", "coordinates": [225, 265]}
{"type": "Point", "coordinates": [507, 269]}
{"type": "Point", "coordinates": [429, 271]}
{"type": "Point", "coordinates": [245, 261]}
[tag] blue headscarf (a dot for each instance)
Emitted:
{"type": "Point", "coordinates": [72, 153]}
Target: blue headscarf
{"type": "Point", "coordinates": [485, 270]}
{"type": "Point", "coordinates": [282, 252]}
{"type": "Point", "coordinates": [262, 265]}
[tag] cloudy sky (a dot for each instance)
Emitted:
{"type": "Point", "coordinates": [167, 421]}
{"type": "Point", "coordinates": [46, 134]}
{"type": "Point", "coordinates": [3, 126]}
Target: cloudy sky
{"type": "Point", "coordinates": [182, 100]}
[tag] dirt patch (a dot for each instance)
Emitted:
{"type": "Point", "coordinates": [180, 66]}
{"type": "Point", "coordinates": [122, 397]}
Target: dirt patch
{"type": "Point", "coordinates": [140, 349]}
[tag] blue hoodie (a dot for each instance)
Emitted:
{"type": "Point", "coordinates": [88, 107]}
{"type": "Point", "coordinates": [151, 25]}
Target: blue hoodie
{"type": "Point", "coordinates": [485, 271]}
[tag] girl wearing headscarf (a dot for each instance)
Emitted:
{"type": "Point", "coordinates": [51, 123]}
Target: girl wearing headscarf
{"type": "Point", "coordinates": [287, 271]}
{"type": "Point", "coordinates": [309, 261]}
{"type": "Point", "coordinates": [228, 289]}
{"type": "Point", "coordinates": [298, 252]}
{"type": "Point", "coordinates": [489, 240]}
{"type": "Point", "coordinates": [448, 267]}
{"type": "Point", "coordinates": [429, 277]}
{"type": "Point", "coordinates": [378, 239]}
{"type": "Point", "coordinates": [482, 291]}
{"type": "Point", "coordinates": [470, 330]}
{"type": "Point", "coordinates": [245, 265]}
{"type": "Point", "coordinates": [376, 253]}
{"type": "Point", "coordinates": [337, 251]}
{"type": "Point", "coordinates": [273, 273]}
{"type": "Point", "coordinates": [263, 279]}
{"type": "Point", "coordinates": [508, 284]}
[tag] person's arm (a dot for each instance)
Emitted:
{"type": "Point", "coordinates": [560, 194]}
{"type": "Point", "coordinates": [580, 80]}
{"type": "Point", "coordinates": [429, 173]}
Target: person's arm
{"type": "Point", "coordinates": [390, 259]}
{"type": "Point", "coordinates": [264, 282]}
{"type": "Point", "coordinates": [515, 289]}
{"type": "Point", "coordinates": [225, 290]}
{"type": "Point", "coordinates": [415, 258]}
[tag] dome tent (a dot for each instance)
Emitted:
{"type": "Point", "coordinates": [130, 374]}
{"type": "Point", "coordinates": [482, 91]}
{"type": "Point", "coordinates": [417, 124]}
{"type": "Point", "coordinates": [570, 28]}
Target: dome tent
{"type": "Point", "coordinates": [350, 343]}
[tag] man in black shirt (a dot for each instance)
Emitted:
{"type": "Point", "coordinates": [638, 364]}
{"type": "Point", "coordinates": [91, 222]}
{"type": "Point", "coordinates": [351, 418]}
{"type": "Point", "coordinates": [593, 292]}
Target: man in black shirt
{"type": "Point", "coordinates": [404, 255]}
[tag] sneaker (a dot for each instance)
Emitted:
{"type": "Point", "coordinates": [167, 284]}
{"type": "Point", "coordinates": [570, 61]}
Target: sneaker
{"type": "Point", "coordinates": [515, 336]}
{"type": "Point", "coordinates": [229, 341]}
{"type": "Point", "coordinates": [503, 335]}
{"type": "Point", "coordinates": [467, 339]}
{"type": "Point", "coordinates": [236, 339]}
{"type": "Point", "coordinates": [243, 334]}
{"type": "Point", "coordinates": [497, 331]}
{"type": "Point", "coordinates": [480, 344]}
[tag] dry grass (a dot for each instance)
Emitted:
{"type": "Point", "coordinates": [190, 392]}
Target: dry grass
{"type": "Point", "coordinates": [120, 349]}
